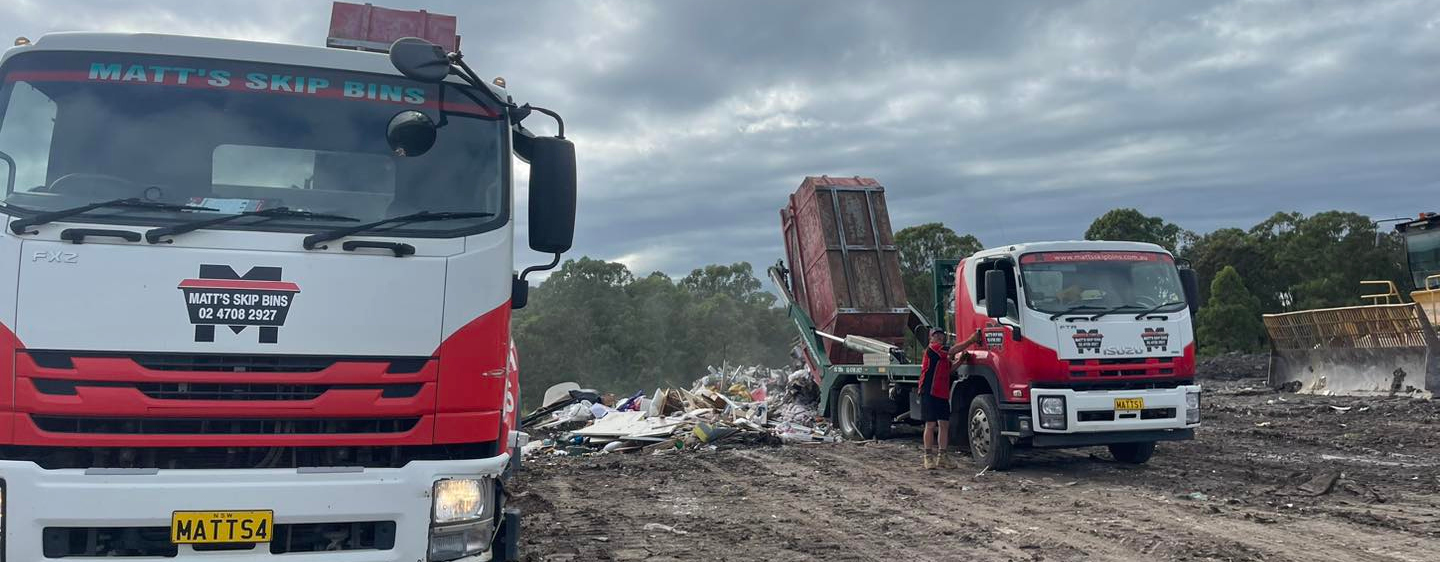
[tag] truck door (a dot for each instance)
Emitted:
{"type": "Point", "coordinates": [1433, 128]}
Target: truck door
{"type": "Point", "coordinates": [1002, 335]}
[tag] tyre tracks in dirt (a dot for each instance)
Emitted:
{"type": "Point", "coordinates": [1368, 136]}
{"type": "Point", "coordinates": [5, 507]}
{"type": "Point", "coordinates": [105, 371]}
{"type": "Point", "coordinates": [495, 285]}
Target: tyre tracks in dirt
{"type": "Point", "coordinates": [1232, 494]}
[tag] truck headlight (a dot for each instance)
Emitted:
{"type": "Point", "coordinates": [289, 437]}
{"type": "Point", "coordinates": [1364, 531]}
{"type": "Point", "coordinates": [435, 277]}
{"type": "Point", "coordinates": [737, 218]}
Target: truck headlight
{"type": "Point", "coordinates": [462, 522]}
{"type": "Point", "coordinates": [1052, 412]}
{"type": "Point", "coordinates": [461, 499]}
{"type": "Point", "coordinates": [1192, 407]}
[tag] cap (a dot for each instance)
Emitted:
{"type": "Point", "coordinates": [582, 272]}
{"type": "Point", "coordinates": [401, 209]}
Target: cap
{"type": "Point", "coordinates": [937, 332]}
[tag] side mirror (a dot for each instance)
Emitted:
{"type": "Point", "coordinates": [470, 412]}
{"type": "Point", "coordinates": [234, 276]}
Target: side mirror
{"type": "Point", "coordinates": [997, 291]}
{"type": "Point", "coordinates": [420, 60]}
{"type": "Point", "coordinates": [552, 191]}
{"type": "Point", "coordinates": [410, 133]}
{"type": "Point", "coordinates": [1190, 283]}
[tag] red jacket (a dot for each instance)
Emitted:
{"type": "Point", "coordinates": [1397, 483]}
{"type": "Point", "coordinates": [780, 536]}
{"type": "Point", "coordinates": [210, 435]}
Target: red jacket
{"type": "Point", "coordinates": [935, 371]}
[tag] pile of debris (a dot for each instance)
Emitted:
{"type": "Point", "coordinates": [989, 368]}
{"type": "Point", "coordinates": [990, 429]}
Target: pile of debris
{"type": "Point", "coordinates": [725, 408]}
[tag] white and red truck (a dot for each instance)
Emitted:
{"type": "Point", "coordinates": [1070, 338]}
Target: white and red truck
{"type": "Point", "coordinates": [256, 297]}
{"type": "Point", "coordinates": [1086, 343]}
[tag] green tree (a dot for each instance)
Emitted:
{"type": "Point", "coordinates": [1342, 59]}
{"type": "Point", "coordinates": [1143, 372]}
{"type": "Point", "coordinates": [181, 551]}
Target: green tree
{"type": "Point", "coordinates": [736, 280]}
{"type": "Point", "coordinates": [1210, 253]}
{"type": "Point", "coordinates": [1320, 260]}
{"type": "Point", "coordinates": [919, 246]}
{"type": "Point", "coordinates": [1132, 225]}
{"type": "Point", "coordinates": [595, 323]}
{"type": "Point", "coordinates": [1230, 320]}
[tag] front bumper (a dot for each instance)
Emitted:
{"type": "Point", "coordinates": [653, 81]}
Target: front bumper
{"type": "Point", "coordinates": [37, 498]}
{"type": "Point", "coordinates": [1086, 411]}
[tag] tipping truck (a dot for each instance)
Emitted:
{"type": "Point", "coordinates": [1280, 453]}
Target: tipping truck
{"type": "Point", "coordinates": [257, 297]}
{"type": "Point", "coordinates": [1085, 343]}
{"type": "Point", "coordinates": [1387, 347]}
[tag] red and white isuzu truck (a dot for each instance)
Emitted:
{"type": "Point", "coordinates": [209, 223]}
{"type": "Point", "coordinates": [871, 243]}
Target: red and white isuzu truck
{"type": "Point", "coordinates": [1086, 343]}
{"type": "Point", "coordinates": [256, 299]}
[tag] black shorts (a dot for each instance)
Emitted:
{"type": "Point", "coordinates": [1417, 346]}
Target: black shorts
{"type": "Point", "coordinates": [934, 409]}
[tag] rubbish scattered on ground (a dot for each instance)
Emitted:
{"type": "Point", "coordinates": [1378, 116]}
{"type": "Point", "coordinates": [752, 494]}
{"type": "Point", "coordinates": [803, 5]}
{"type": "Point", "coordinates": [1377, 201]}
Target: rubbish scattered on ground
{"type": "Point", "coordinates": [1194, 496]}
{"type": "Point", "coordinates": [728, 407]}
{"type": "Point", "coordinates": [666, 528]}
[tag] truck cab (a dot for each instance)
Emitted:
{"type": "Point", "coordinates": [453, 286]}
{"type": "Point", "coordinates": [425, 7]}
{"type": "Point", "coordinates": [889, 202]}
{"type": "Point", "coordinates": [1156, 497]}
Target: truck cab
{"type": "Point", "coordinates": [1084, 343]}
{"type": "Point", "coordinates": [257, 301]}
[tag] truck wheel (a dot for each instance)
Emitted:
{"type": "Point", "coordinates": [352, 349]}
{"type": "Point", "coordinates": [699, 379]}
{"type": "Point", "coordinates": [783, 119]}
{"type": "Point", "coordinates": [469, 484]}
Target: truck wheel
{"type": "Point", "coordinates": [857, 422]}
{"type": "Point", "coordinates": [1133, 453]}
{"type": "Point", "coordinates": [987, 446]}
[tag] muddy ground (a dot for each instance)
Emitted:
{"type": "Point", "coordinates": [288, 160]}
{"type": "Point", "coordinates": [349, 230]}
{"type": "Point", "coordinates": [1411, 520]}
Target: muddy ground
{"type": "Point", "coordinates": [1256, 484]}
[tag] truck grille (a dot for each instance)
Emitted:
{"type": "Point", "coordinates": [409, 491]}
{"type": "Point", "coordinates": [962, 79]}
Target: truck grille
{"type": "Point", "coordinates": [225, 391]}
{"type": "Point", "coordinates": [205, 362]}
{"type": "Point", "coordinates": [66, 542]}
{"type": "Point", "coordinates": [1109, 415]}
{"type": "Point", "coordinates": [1122, 367]}
{"type": "Point", "coordinates": [201, 458]}
{"type": "Point", "coordinates": [185, 426]}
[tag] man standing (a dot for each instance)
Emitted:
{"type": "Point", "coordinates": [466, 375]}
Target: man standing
{"type": "Point", "coordinates": [934, 390]}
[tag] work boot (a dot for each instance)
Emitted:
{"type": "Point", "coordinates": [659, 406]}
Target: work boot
{"type": "Point", "coordinates": [929, 460]}
{"type": "Point", "coordinates": [942, 460]}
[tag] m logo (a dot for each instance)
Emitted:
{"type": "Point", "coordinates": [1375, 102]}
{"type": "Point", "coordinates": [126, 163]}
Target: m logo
{"type": "Point", "coordinates": [221, 297]}
{"type": "Point", "coordinates": [1088, 340]}
{"type": "Point", "coordinates": [1155, 339]}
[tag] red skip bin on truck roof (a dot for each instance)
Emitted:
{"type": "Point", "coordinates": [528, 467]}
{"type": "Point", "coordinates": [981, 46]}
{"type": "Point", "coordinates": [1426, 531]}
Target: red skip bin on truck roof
{"type": "Point", "coordinates": [372, 28]}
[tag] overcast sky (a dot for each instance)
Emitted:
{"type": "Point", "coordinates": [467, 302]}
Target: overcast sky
{"type": "Point", "coordinates": [1014, 121]}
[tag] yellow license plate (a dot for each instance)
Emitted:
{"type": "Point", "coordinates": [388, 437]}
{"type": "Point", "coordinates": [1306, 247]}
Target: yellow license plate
{"type": "Point", "coordinates": [204, 527]}
{"type": "Point", "coordinates": [1129, 403]}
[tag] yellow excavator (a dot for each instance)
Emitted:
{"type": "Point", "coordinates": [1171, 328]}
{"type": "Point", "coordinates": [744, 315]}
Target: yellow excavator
{"type": "Point", "coordinates": [1387, 347]}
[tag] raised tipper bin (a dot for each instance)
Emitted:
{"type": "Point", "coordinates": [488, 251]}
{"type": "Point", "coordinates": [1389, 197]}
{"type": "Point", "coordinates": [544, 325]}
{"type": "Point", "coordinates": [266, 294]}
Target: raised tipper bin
{"type": "Point", "coordinates": [364, 27]}
{"type": "Point", "coordinates": [844, 267]}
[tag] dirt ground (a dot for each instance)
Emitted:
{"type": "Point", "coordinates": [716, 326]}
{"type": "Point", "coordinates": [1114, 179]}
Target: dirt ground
{"type": "Point", "coordinates": [1254, 485]}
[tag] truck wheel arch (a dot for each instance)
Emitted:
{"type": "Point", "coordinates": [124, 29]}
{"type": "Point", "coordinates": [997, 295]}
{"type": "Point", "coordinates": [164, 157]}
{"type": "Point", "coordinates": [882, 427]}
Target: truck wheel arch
{"type": "Point", "coordinates": [970, 381]}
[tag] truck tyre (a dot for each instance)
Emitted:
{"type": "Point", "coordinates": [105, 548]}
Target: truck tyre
{"type": "Point", "coordinates": [987, 446]}
{"type": "Point", "coordinates": [857, 422]}
{"type": "Point", "coordinates": [1133, 453]}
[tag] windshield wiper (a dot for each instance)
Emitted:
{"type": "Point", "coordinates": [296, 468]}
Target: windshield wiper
{"type": "Point", "coordinates": [314, 240]}
{"type": "Point", "coordinates": [18, 227]}
{"type": "Point", "coordinates": [1098, 315]}
{"type": "Point", "coordinates": [1073, 310]}
{"type": "Point", "coordinates": [154, 235]}
{"type": "Point", "coordinates": [1156, 308]}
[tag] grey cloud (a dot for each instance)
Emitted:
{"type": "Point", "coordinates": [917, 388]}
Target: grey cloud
{"type": "Point", "coordinates": [1011, 120]}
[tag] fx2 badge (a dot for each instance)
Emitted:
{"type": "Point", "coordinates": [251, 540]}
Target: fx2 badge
{"type": "Point", "coordinates": [220, 297]}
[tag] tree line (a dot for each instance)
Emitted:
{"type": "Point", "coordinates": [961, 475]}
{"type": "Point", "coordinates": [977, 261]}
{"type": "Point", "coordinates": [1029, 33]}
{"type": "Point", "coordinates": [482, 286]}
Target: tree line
{"type": "Point", "coordinates": [594, 322]}
{"type": "Point", "coordinates": [597, 323]}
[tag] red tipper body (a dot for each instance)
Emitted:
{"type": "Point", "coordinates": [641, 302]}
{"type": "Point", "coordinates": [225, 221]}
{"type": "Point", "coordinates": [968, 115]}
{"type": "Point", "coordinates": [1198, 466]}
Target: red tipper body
{"type": "Point", "coordinates": [371, 28]}
{"type": "Point", "coordinates": [845, 269]}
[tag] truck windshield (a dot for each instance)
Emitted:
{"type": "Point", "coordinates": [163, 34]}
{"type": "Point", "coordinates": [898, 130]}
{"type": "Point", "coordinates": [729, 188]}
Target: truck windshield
{"type": "Point", "coordinates": [1423, 251]}
{"type": "Point", "coordinates": [240, 136]}
{"type": "Point", "coordinates": [1058, 281]}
